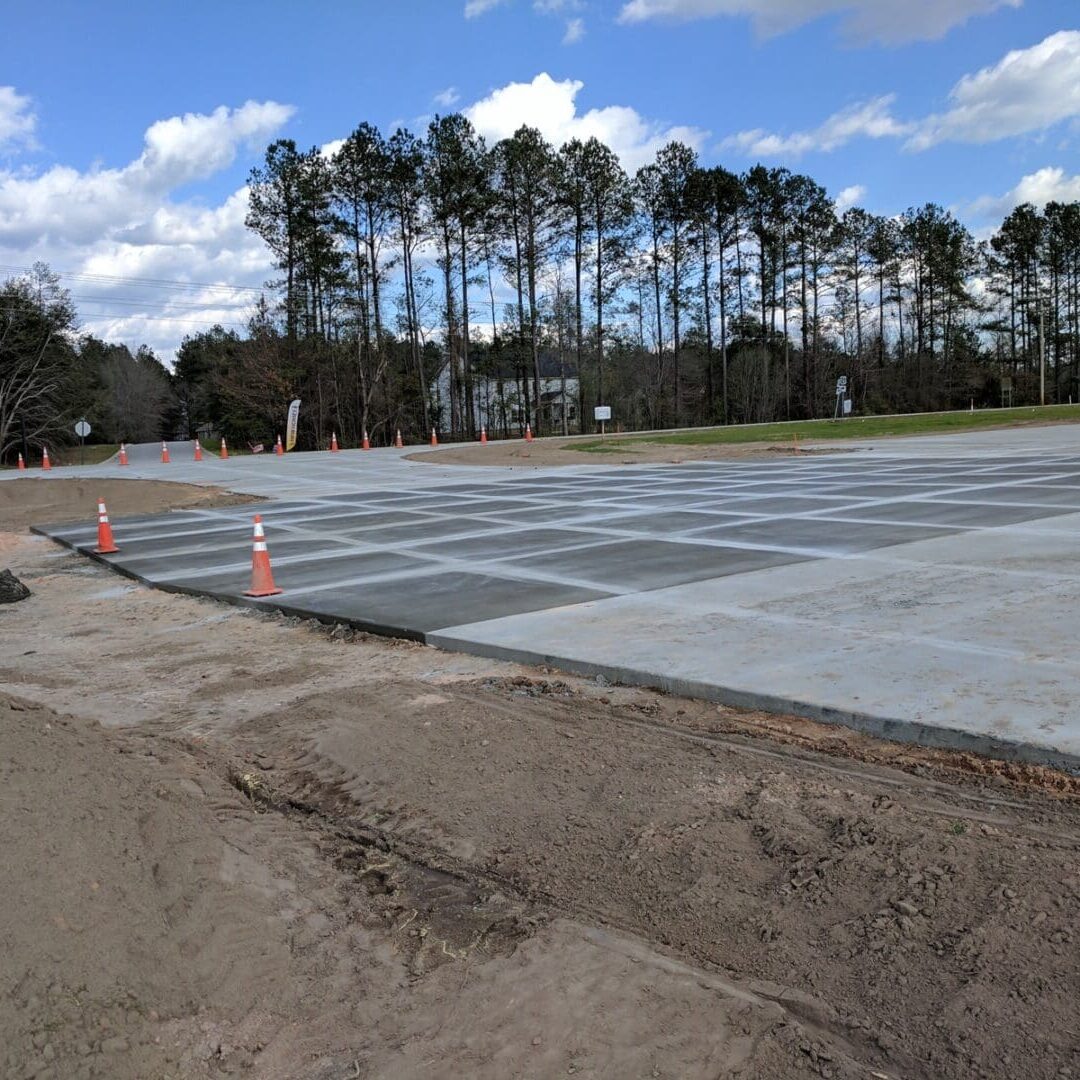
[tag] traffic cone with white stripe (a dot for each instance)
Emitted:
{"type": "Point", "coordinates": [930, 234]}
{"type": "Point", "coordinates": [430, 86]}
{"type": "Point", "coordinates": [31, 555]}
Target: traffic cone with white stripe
{"type": "Point", "coordinates": [528, 433]}
{"type": "Point", "coordinates": [123, 454]}
{"type": "Point", "coordinates": [224, 450]}
{"type": "Point", "coordinates": [262, 580]}
{"type": "Point", "coordinates": [164, 453]}
{"type": "Point", "coordinates": [198, 451]}
{"type": "Point", "coordinates": [278, 448]}
{"type": "Point", "coordinates": [106, 545]}
{"type": "Point", "coordinates": [397, 441]}
{"type": "Point", "coordinates": [366, 445]}
{"type": "Point", "coordinates": [22, 464]}
{"type": "Point", "coordinates": [434, 438]}
{"type": "Point", "coordinates": [334, 448]}
{"type": "Point", "coordinates": [46, 465]}
{"type": "Point", "coordinates": [483, 436]}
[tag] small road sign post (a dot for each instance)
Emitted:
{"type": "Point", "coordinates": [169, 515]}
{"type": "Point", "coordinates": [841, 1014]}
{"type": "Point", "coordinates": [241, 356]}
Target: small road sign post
{"type": "Point", "coordinates": [843, 405]}
{"type": "Point", "coordinates": [82, 429]}
{"type": "Point", "coordinates": [602, 413]}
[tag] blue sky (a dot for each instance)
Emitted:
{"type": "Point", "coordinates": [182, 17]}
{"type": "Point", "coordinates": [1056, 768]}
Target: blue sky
{"type": "Point", "coordinates": [127, 129]}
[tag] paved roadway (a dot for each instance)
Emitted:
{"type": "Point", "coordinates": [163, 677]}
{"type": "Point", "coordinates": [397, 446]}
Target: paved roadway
{"type": "Point", "coordinates": [924, 588]}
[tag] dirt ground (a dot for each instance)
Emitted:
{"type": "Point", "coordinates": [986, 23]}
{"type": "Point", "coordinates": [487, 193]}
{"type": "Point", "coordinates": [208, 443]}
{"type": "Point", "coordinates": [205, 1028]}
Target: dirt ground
{"type": "Point", "coordinates": [236, 844]}
{"type": "Point", "coordinates": [544, 452]}
{"type": "Point", "coordinates": [29, 500]}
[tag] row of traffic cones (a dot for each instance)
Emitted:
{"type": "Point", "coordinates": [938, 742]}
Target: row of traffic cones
{"type": "Point", "coordinates": [279, 449]}
{"type": "Point", "coordinates": [197, 456]}
{"type": "Point", "coordinates": [46, 465]}
{"type": "Point", "coordinates": [262, 578]}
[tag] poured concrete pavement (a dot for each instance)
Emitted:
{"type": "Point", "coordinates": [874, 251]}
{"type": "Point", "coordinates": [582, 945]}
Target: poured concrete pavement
{"type": "Point", "coordinates": [925, 597]}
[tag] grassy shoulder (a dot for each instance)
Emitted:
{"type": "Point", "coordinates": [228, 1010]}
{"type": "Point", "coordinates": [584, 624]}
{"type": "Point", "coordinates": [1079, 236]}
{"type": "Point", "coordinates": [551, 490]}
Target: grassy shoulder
{"type": "Point", "coordinates": [855, 427]}
{"type": "Point", "coordinates": [72, 455]}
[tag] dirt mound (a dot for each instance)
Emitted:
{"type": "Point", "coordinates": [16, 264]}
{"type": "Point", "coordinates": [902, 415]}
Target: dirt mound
{"type": "Point", "coordinates": [34, 501]}
{"type": "Point", "coordinates": [617, 451]}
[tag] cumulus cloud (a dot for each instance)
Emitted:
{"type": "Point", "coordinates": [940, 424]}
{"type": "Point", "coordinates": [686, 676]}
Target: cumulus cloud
{"type": "Point", "coordinates": [849, 197]}
{"type": "Point", "coordinates": [1027, 90]}
{"type": "Point", "coordinates": [1049, 184]}
{"type": "Point", "coordinates": [862, 20]}
{"type": "Point", "coordinates": [447, 98]}
{"type": "Point", "coordinates": [17, 120]}
{"type": "Point", "coordinates": [121, 222]}
{"type": "Point", "coordinates": [550, 107]}
{"type": "Point", "coordinates": [868, 119]}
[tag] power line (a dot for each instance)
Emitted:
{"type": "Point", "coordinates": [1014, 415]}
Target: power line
{"type": "Point", "coordinates": [128, 316]}
{"type": "Point", "coordinates": [171, 283]}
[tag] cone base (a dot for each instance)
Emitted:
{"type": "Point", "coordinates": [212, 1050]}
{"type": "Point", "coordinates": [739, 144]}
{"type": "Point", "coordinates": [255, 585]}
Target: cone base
{"type": "Point", "coordinates": [262, 592]}
{"type": "Point", "coordinates": [106, 551]}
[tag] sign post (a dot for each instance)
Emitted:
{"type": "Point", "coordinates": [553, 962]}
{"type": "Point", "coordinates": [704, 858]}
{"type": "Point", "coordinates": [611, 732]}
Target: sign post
{"type": "Point", "coordinates": [602, 413]}
{"type": "Point", "coordinates": [843, 405]}
{"type": "Point", "coordinates": [82, 429]}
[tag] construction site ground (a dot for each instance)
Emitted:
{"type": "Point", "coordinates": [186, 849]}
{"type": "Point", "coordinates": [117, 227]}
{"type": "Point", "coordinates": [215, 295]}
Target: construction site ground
{"type": "Point", "coordinates": [238, 843]}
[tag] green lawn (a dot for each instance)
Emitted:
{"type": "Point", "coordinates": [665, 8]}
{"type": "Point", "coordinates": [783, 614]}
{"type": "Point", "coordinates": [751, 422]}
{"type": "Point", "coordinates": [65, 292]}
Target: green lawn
{"type": "Point", "coordinates": [856, 427]}
{"type": "Point", "coordinates": [69, 455]}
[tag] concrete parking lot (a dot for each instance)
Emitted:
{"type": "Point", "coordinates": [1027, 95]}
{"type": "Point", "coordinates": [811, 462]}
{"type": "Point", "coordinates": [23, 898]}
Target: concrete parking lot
{"type": "Point", "coordinates": [928, 596]}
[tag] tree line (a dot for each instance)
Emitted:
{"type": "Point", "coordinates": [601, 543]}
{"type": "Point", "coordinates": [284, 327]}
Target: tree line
{"type": "Point", "coordinates": [438, 282]}
{"type": "Point", "coordinates": [679, 294]}
{"type": "Point", "coordinates": [51, 375]}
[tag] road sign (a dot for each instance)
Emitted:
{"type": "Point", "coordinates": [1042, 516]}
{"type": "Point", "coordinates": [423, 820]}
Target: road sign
{"type": "Point", "coordinates": [847, 406]}
{"type": "Point", "coordinates": [82, 429]}
{"type": "Point", "coordinates": [841, 386]}
{"type": "Point", "coordinates": [602, 412]}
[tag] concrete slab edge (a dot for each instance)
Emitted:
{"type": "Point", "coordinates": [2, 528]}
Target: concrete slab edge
{"type": "Point", "coordinates": [882, 727]}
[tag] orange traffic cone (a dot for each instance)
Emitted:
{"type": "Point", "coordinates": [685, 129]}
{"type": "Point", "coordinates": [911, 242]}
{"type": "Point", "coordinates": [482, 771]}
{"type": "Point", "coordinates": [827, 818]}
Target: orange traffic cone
{"type": "Point", "coordinates": [224, 450]}
{"type": "Point", "coordinates": [45, 463]}
{"type": "Point", "coordinates": [397, 442]}
{"type": "Point", "coordinates": [22, 464]}
{"type": "Point", "coordinates": [106, 545]}
{"type": "Point", "coordinates": [164, 453]}
{"type": "Point", "coordinates": [198, 451]}
{"type": "Point", "coordinates": [333, 443]}
{"type": "Point", "coordinates": [367, 442]}
{"type": "Point", "coordinates": [123, 454]}
{"type": "Point", "coordinates": [434, 438]}
{"type": "Point", "coordinates": [528, 433]}
{"type": "Point", "coordinates": [278, 448]}
{"type": "Point", "coordinates": [483, 436]}
{"type": "Point", "coordinates": [262, 580]}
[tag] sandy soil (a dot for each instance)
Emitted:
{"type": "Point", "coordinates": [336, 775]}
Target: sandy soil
{"type": "Point", "coordinates": [544, 452]}
{"type": "Point", "coordinates": [236, 844]}
{"type": "Point", "coordinates": [30, 500]}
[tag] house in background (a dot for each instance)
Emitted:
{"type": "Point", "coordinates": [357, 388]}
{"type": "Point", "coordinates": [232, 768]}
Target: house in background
{"type": "Point", "coordinates": [498, 398]}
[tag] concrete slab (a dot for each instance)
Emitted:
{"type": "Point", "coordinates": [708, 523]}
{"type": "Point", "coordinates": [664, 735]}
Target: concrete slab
{"type": "Point", "coordinates": [924, 589]}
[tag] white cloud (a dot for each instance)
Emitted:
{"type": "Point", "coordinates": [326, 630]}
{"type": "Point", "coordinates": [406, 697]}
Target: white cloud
{"type": "Point", "coordinates": [1050, 184]}
{"type": "Point", "coordinates": [550, 107]}
{"type": "Point", "coordinates": [17, 120]}
{"type": "Point", "coordinates": [1027, 90]}
{"type": "Point", "coordinates": [867, 119]}
{"type": "Point", "coordinates": [122, 222]}
{"type": "Point", "coordinates": [863, 20]}
{"type": "Point", "coordinates": [575, 31]}
{"type": "Point", "coordinates": [849, 197]}
{"type": "Point", "coordinates": [447, 98]}
{"type": "Point", "coordinates": [479, 7]}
